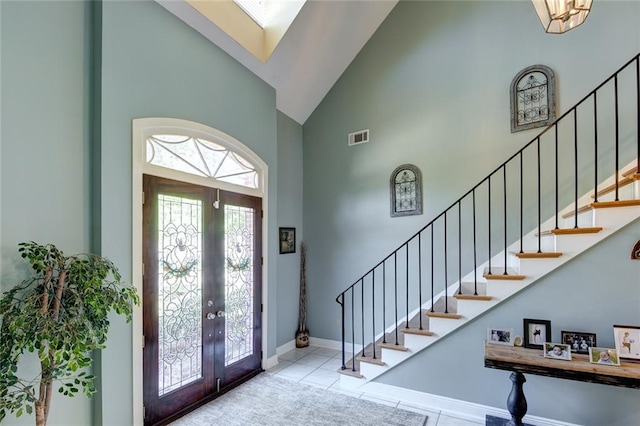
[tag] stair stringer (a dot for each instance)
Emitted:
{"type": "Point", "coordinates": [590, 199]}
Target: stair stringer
{"type": "Point", "coordinates": [610, 219]}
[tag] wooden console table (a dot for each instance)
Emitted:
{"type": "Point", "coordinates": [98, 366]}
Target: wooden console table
{"type": "Point", "coordinates": [521, 360]}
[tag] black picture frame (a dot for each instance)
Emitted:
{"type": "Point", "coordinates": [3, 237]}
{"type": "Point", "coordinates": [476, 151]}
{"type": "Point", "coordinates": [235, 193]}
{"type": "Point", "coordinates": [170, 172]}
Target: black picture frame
{"type": "Point", "coordinates": [579, 341]}
{"type": "Point", "coordinates": [536, 333]}
{"type": "Point", "coordinates": [287, 240]}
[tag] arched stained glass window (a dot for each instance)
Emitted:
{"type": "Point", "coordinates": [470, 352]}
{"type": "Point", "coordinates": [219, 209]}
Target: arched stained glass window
{"type": "Point", "coordinates": [406, 191]}
{"type": "Point", "coordinates": [200, 157]}
{"type": "Point", "coordinates": [533, 98]}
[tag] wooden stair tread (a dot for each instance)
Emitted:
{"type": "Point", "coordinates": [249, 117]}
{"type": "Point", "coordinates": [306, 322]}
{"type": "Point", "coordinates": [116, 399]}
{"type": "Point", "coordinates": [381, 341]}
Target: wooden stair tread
{"type": "Point", "coordinates": [602, 205]}
{"type": "Point", "coordinates": [628, 179]}
{"type": "Point", "coordinates": [572, 231]}
{"type": "Point", "coordinates": [370, 360]}
{"type": "Point", "coordinates": [417, 331]}
{"type": "Point", "coordinates": [479, 297]}
{"type": "Point", "coordinates": [631, 171]}
{"type": "Point", "coordinates": [543, 255]}
{"type": "Point", "coordinates": [350, 372]}
{"type": "Point", "coordinates": [581, 209]}
{"type": "Point", "coordinates": [514, 277]}
{"type": "Point", "coordinates": [619, 203]}
{"type": "Point", "coordinates": [393, 346]}
{"type": "Point", "coordinates": [443, 315]}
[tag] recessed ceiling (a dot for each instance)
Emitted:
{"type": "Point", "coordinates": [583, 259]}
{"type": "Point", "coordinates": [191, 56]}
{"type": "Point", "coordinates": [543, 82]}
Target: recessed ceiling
{"type": "Point", "coordinates": [317, 48]}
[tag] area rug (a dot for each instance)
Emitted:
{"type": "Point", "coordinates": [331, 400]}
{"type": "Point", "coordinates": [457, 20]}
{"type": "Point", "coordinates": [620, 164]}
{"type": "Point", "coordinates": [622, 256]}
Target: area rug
{"type": "Point", "coordinates": [266, 400]}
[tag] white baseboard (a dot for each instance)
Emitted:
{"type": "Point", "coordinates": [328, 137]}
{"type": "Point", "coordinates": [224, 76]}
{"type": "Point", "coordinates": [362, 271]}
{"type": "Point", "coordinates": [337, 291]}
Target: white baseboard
{"type": "Point", "coordinates": [290, 345]}
{"type": "Point", "coordinates": [325, 343]}
{"type": "Point", "coordinates": [270, 362]}
{"type": "Point", "coordinates": [450, 407]}
{"type": "Point", "coordinates": [332, 344]}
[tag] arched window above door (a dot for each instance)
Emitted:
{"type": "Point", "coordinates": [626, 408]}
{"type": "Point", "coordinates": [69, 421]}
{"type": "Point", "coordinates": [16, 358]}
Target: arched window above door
{"type": "Point", "coordinates": [200, 157]}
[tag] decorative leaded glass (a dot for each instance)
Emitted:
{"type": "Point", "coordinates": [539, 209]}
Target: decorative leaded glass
{"type": "Point", "coordinates": [406, 191]}
{"type": "Point", "coordinates": [532, 98]}
{"type": "Point", "coordinates": [179, 292]}
{"type": "Point", "coordinates": [238, 249]}
{"type": "Point", "coordinates": [200, 157]}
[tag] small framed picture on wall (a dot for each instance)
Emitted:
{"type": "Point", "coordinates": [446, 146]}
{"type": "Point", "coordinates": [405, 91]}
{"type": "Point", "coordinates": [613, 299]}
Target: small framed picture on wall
{"type": "Point", "coordinates": [287, 240]}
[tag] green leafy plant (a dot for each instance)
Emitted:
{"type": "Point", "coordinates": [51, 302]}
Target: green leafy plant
{"type": "Point", "coordinates": [59, 313]}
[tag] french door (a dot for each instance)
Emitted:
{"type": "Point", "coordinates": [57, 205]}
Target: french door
{"type": "Point", "coordinates": [202, 253]}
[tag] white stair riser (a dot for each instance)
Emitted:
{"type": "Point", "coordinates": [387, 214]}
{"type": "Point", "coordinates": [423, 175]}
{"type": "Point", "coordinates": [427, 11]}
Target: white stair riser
{"type": "Point", "coordinates": [536, 268]}
{"type": "Point", "coordinates": [349, 382]}
{"type": "Point", "coordinates": [473, 308]}
{"type": "Point", "coordinates": [502, 289]}
{"type": "Point", "coordinates": [585, 220]}
{"type": "Point", "coordinates": [417, 342]}
{"type": "Point", "coordinates": [393, 357]}
{"type": "Point", "coordinates": [575, 244]}
{"type": "Point", "coordinates": [442, 326]}
{"type": "Point", "coordinates": [613, 218]}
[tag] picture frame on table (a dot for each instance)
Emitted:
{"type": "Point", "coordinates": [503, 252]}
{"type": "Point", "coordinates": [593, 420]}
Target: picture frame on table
{"type": "Point", "coordinates": [580, 342]}
{"type": "Point", "coordinates": [500, 336]}
{"type": "Point", "coordinates": [627, 338]}
{"type": "Point", "coordinates": [287, 240]}
{"type": "Point", "coordinates": [557, 351]}
{"type": "Point", "coordinates": [604, 356]}
{"type": "Point", "coordinates": [536, 332]}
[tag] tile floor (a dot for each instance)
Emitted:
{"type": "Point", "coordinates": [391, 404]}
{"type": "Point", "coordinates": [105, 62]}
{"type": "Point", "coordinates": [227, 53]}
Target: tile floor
{"type": "Point", "coordinates": [318, 367]}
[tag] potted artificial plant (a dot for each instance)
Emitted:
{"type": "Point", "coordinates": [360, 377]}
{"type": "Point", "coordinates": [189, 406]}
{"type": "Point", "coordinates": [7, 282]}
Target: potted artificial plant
{"type": "Point", "coordinates": [59, 313]}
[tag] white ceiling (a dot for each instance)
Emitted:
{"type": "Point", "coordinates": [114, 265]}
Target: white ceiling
{"type": "Point", "coordinates": [318, 47]}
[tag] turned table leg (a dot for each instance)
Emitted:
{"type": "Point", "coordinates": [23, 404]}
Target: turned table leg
{"type": "Point", "coordinates": [516, 402]}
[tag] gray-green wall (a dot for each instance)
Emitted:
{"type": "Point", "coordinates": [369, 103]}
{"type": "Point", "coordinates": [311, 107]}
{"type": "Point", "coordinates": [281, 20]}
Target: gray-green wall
{"type": "Point", "coordinates": [432, 85]}
{"type": "Point", "coordinates": [290, 216]}
{"type": "Point", "coordinates": [45, 148]}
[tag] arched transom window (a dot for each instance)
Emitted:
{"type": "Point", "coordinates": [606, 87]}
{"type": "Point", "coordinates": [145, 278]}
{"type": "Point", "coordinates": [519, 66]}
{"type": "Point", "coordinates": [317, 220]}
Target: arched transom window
{"type": "Point", "coordinates": [200, 157]}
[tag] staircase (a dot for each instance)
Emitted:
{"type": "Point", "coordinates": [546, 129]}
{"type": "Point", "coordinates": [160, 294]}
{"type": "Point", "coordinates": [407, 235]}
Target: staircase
{"type": "Point", "coordinates": [475, 254]}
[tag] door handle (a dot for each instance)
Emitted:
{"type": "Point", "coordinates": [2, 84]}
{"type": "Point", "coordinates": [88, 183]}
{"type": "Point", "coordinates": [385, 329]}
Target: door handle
{"type": "Point", "coordinates": [211, 315]}
{"type": "Point", "coordinates": [221, 314]}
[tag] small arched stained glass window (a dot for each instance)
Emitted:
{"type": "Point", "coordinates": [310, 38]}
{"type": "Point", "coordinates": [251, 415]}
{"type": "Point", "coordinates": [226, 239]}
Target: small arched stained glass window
{"type": "Point", "coordinates": [406, 191]}
{"type": "Point", "coordinates": [533, 98]}
{"type": "Point", "coordinates": [200, 157]}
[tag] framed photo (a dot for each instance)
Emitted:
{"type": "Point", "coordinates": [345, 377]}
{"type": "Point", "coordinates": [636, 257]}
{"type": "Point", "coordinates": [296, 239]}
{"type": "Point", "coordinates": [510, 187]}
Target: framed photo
{"type": "Point", "coordinates": [557, 351]}
{"type": "Point", "coordinates": [500, 336]}
{"type": "Point", "coordinates": [536, 333]}
{"type": "Point", "coordinates": [287, 240]}
{"type": "Point", "coordinates": [579, 342]}
{"type": "Point", "coordinates": [604, 356]}
{"type": "Point", "coordinates": [627, 338]}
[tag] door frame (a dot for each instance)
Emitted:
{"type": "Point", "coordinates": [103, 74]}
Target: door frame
{"type": "Point", "coordinates": [141, 129]}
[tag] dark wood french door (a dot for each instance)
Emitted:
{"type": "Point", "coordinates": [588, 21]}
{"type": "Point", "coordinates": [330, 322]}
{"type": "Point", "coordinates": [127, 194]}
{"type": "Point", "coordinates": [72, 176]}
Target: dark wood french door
{"type": "Point", "coordinates": [202, 251]}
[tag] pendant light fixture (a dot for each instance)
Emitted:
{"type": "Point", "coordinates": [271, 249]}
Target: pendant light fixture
{"type": "Point", "coordinates": [560, 16]}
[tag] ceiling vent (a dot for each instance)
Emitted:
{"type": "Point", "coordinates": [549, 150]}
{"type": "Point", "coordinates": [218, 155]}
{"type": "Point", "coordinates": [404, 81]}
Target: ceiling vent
{"type": "Point", "coordinates": [357, 138]}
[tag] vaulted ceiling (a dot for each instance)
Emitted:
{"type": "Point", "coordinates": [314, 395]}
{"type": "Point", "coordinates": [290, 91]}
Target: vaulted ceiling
{"type": "Point", "coordinates": [316, 49]}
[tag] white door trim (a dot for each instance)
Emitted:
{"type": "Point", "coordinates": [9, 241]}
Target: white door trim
{"type": "Point", "coordinates": [141, 128]}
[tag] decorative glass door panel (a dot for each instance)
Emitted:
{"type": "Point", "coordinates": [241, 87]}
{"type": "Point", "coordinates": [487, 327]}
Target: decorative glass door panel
{"type": "Point", "coordinates": [180, 292]}
{"type": "Point", "coordinates": [201, 294]}
{"type": "Point", "coordinates": [238, 283]}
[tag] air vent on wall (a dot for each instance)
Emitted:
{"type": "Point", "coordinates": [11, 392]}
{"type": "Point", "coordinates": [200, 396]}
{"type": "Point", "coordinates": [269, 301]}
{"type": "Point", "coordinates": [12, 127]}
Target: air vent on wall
{"type": "Point", "coordinates": [356, 138]}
